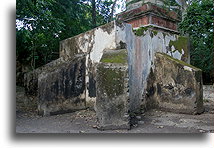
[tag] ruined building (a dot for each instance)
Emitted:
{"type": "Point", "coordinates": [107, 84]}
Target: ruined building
{"type": "Point", "coordinates": [134, 64]}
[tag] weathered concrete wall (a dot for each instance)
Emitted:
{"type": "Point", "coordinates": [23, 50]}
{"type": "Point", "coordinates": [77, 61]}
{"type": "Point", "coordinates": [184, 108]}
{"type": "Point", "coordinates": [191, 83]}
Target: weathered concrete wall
{"type": "Point", "coordinates": [112, 104]}
{"type": "Point", "coordinates": [62, 88]}
{"type": "Point", "coordinates": [31, 78]}
{"type": "Point", "coordinates": [142, 44]}
{"type": "Point", "coordinates": [92, 44]}
{"type": "Point", "coordinates": [174, 85]}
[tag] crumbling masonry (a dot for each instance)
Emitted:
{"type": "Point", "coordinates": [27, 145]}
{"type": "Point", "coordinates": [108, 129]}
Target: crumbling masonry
{"type": "Point", "coordinates": [121, 69]}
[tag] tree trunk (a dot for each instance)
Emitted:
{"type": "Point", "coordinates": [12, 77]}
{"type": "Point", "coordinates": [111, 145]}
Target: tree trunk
{"type": "Point", "coordinates": [112, 10]}
{"type": "Point", "coordinates": [93, 13]}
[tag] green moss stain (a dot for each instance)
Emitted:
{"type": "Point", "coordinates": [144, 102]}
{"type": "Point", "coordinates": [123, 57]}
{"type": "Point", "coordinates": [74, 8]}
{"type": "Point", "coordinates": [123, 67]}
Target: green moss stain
{"type": "Point", "coordinates": [165, 34]}
{"type": "Point", "coordinates": [115, 57]}
{"type": "Point", "coordinates": [153, 33]}
{"type": "Point", "coordinates": [141, 31]}
{"type": "Point", "coordinates": [111, 81]}
{"type": "Point", "coordinates": [179, 61]}
{"type": "Point", "coordinates": [179, 44]}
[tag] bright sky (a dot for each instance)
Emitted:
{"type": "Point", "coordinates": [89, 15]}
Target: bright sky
{"type": "Point", "coordinates": [122, 5]}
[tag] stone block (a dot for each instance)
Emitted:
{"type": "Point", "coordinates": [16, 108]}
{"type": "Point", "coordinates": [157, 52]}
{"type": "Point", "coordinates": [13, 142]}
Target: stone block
{"type": "Point", "coordinates": [62, 88]}
{"type": "Point", "coordinates": [112, 102]}
{"type": "Point", "coordinates": [174, 85]}
{"type": "Point", "coordinates": [31, 78]}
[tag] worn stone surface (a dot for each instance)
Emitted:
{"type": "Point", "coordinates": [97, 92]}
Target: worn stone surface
{"type": "Point", "coordinates": [141, 45]}
{"type": "Point", "coordinates": [208, 93]}
{"type": "Point", "coordinates": [31, 78]}
{"type": "Point", "coordinates": [175, 86]}
{"type": "Point", "coordinates": [112, 102]}
{"type": "Point", "coordinates": [92, 44]}
{"type": "Point", "coordinates": [62, 89]}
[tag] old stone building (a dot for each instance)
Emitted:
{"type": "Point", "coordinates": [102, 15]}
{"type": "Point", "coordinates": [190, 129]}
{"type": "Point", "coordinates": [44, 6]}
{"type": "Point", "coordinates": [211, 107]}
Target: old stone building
{"type": "Point", "coordinates": [135, 63]}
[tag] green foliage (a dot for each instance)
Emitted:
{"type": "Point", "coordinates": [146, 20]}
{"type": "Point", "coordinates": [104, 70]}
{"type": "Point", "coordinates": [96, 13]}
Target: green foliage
{"type": "Point", "coordinates": [140, 31]}
{"type": "Point", "coordinates": [104, 8]}
{"type": "Point", "coordinates": [38, 35]}
{"type": "Point", "coordinates": [76, 16]}
{"type": "Point", "coordinates": [198, 24]}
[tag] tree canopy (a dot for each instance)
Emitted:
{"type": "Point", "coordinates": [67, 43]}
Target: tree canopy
{"type": "Point", "coordinates": [198, 25]}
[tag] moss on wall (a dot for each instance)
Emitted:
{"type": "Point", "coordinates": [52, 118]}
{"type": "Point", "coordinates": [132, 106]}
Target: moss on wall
{"type": "Point", "coordinates": [179, 44]}
{"type": "Point", "coordinates": [179, 61]}
{"type": "Point", "coordinates": [153, 33]}
{"type": "Point", "coordinates": [111, 80]}
{"type": "Point", "coordinates": [118, 56]}
{"type": "Point", "coordinates": [141, 31]}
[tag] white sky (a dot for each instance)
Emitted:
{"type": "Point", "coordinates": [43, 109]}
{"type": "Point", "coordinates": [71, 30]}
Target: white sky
{"type": "Point", "coordinates": [122, 6]}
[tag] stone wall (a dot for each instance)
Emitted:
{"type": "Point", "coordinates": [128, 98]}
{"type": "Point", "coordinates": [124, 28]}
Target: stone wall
{"type": "Point", "coordinates": [112, 103]}
{"type": "Point", "coordinates": [141, 46]}
{"type": "Point", "coordinates": [31, 78]}
{"type": "Point", "coordinates": [92, 44]}
{"type": "Point", "coordinates": [62, 89]}
{"type": "Point", "coordinates": [174, 85]}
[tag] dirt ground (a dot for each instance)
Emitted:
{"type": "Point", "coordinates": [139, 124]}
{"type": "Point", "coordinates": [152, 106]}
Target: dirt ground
{"type": "Point", "coordinates": [85, 122]}
{"type": "Point", "coordinates": [154, 121]}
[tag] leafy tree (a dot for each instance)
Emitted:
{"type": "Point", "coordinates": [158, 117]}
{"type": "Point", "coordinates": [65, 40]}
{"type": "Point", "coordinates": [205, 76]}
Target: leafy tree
{"type": "Point", "coordinates": [76, 16]}
{"type": "Point", "coordinates": [198, 24]}
{"type": "Point", "coordinates": [106, 9]}
{"type": "Point", "coordinates": [38, 34]}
